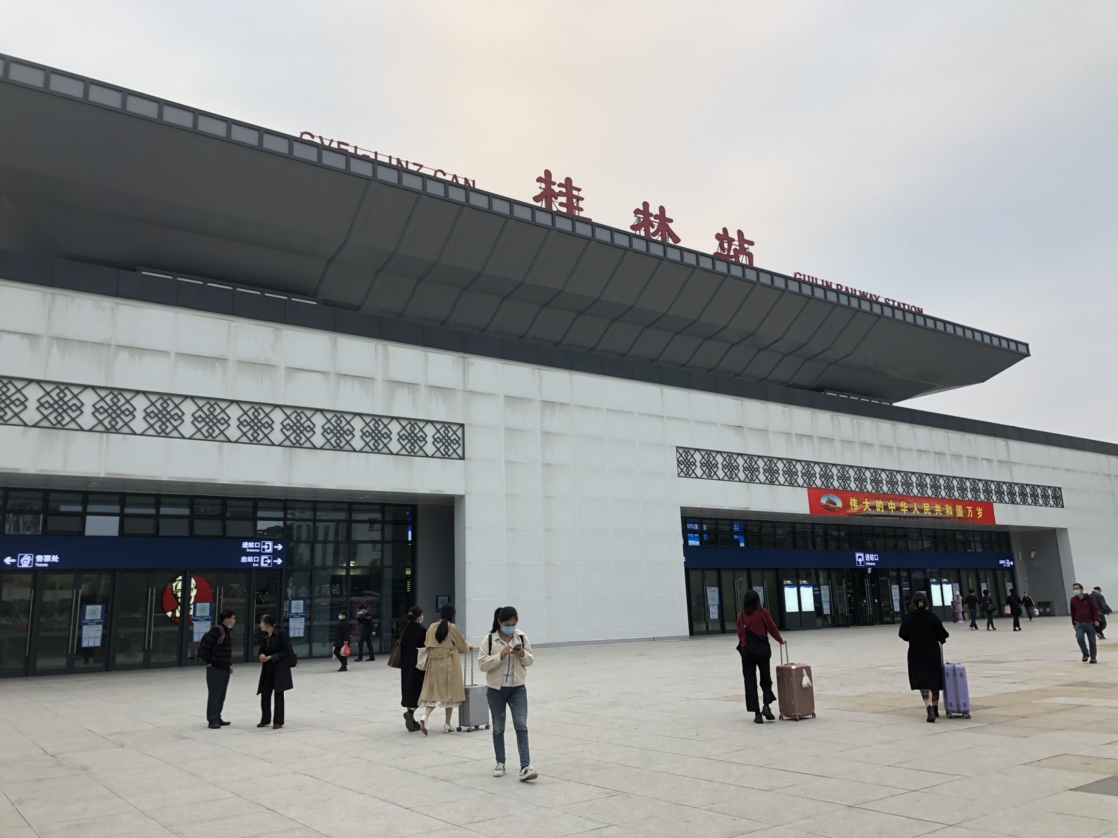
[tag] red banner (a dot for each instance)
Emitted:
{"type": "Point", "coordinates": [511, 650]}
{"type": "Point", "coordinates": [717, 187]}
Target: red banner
{"type": "Point", "coordinates": [839, 504]}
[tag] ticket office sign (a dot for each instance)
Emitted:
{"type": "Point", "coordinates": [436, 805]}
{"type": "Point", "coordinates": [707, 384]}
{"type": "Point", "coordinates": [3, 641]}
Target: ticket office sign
{"type": "Point", "coordinates": [839, 504]}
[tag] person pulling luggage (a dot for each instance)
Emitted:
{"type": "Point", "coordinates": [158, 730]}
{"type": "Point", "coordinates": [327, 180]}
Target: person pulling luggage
{"type": "Point", "coordinates": [1016, 604]}
{"type": "Point", "coordinates": [755, 626]}
{"type": "Point", "coordinates": [923, 632]}
{"type": "Point", "coordinates": [505, 655]}
{"type": "Point", "coordinates": [1030, 606]}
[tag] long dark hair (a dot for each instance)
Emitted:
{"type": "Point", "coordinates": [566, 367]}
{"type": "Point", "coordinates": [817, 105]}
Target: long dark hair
{"type": "Point", "coordinates": [750, 602]}
{"type": "Point", "coordinates": [505, 612]}
{"type": "Point", "coordinates": [447, 615]}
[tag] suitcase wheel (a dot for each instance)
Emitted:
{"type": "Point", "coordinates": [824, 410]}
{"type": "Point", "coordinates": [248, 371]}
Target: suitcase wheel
{"type": "Point", "coordinates": [966, 715]}
{"type": "Point", "coordinates": [487, 727]}
{"type": "Point", "coordinates": [459, 728]}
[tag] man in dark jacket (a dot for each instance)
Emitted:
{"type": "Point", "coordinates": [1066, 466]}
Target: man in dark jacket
{"type": "Point", "coordinates": [365, 622]}
{"type": "Point", "coordinates": [215, 649]}
{"type": "Point", "coordinates": [341, 638]}
{"type": "Point", "coordinates": [972, 609]}
{"type": "Point", "coordinates": [1104, 609]}
{"type": "Point", "coordinates": [988, 608]}
{"type": "Point", "coordinates": [1085, 618]}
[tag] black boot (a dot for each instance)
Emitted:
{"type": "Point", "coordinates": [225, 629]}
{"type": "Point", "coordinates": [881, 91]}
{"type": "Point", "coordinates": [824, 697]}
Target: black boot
{"type": "Point", "coordinates": [935, 710]}
{"type": "Point", "coordinates": [757, 719]}
{"type": "Point", "coordinates": [767, 712]}
{"type": "Point", "coordinates": [931, 715]}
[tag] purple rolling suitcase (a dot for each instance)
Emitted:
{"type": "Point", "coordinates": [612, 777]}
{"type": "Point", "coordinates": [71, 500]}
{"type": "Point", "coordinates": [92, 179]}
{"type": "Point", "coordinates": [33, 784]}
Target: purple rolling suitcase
{"type": "Point", "coordinates": [956, 693]}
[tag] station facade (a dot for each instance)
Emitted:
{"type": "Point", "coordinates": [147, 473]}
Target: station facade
{"type": "Point", "coordinates": [183, 438]}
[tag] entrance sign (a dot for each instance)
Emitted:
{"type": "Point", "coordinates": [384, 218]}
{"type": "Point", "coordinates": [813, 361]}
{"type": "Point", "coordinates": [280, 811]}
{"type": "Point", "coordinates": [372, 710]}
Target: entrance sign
{"type": "Point", "coordinates": [77, 552]}
{"type": "Point", "coordinates": [839, 504]}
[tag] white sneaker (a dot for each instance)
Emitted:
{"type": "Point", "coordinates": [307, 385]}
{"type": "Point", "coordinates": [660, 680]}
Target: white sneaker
{"type": "Point", "coordinates": [527, 774]}
{"type": "Point", "coordinates": [499, 771]}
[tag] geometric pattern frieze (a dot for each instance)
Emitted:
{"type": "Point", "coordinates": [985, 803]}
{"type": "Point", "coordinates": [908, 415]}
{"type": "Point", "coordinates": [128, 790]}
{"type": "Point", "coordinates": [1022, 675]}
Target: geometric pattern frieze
{"type": "Point", "coordinates": [114, 410]}
{"type": "Point", "coordinates": [731, 467]}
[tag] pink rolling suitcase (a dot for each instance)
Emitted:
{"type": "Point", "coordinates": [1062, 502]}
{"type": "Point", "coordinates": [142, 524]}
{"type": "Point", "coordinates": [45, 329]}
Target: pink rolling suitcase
{"type": "Point", "coordinates": [956, 692]}
{"type": "Point", "coordinates": [795, 691]}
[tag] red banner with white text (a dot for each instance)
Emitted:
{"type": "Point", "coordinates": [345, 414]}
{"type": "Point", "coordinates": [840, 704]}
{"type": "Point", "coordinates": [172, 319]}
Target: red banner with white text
{"type": "Point", "coordinates": [838, 504]}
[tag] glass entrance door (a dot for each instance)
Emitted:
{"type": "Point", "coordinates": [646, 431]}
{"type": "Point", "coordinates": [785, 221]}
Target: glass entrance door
{"type": "Point", "coordinates": [73, 625]}
{"type": "Point", "coordinates": [862, 590]}
{"type": "Point", "coordinates": [16, 593]}
{"type": "Point", "coordinates": [148, 619]}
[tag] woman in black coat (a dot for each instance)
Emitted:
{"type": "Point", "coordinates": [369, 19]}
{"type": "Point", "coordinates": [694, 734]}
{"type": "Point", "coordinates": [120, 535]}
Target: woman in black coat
{"type": "Point", "coordinates": [1015, 604]}
{"type": "Point", "coordinates": [924, 632]}
{"type": "Point", "coordinates": [275, 671]}
{"type": "Point", "coordinates": [411, 679]}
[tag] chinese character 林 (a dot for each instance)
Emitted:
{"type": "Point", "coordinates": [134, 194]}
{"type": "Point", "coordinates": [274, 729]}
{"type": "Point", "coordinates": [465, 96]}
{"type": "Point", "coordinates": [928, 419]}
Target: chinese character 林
{"type": "Point", "coordinates": [653, 225]}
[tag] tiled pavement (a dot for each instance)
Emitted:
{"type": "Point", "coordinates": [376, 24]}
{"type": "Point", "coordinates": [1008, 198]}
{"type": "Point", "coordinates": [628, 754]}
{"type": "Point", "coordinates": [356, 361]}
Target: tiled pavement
{"type": "Point", "coordinates": [648, 739]}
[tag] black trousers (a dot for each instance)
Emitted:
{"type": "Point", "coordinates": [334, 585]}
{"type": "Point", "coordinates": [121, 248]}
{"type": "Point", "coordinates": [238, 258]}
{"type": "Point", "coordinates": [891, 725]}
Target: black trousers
{"type": "Point", "coordinates": [1016, 621]}
{"type": "Point", "coordinates": [217, 684]}
{"type": "Point", "coordinates": [342, 658]}
{"type": "Point", "coordinates": [750, 666]}
{"type": "Point", "coordinates": [267, 687]}
{"type": "Point", "coordinates": [361, 644]}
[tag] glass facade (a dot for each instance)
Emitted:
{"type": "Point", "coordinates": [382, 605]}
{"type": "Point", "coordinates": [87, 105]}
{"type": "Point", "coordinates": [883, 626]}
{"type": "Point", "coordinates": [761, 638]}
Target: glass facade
{"type": "Point", "coordinates": [794, 535]}
{"type": "Point", "coordinates": [339, 556]}
{"type": "Point", "coordinates": [727, 556]}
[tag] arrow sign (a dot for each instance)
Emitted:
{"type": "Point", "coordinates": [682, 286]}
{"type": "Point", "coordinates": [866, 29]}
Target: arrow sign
{"type": "Point", "coordinates": [9, 560]}
{"type": "Point", "coordinates": [279, 561]}
{"type": "Point", "coordinates": [279, 546]}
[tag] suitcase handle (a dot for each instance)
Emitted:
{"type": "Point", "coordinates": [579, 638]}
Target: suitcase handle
{"type": "Point", "coordinates": [782, 647]}
{"type": "Point", "coordinates": [471, 657]}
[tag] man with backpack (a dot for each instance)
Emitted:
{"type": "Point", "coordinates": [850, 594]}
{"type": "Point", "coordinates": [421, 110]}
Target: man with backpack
{"type": "Point", "coordinates": [215, 649]}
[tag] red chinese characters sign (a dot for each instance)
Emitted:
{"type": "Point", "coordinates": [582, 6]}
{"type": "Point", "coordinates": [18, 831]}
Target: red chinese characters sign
{"type": "Point", "coordinates": [874, 504]}
{"type": "Point", "coordinates": [562, 196]}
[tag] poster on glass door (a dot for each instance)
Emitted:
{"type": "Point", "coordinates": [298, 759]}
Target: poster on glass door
{"type": "Point", "coordinates": [712, 603]}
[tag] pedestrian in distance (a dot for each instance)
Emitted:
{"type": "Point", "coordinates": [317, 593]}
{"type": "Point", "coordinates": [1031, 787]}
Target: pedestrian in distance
{"type": "Point", "coordinates": [1085, 617]}
{"type": "Point", "coordinates": [1104, 609]}
{"type": "Point", "coordinates": [988, 608]}
{"type": "Point", "coordinates": [505, 657]}
{"type": "Point", "coordinates": [276, 657]}
{"type": "Point", "coordinates": [342, 633]}
{"type": "Point", "coordinates": [366, 634]}
{"type": "Point", "coordinates": [972, 608]}
{"type": "Point", "coordinates": [957, 609]}
{"type": "Point", "coordinates": [215, 650]}
{"type": "Point", "coordinates": [755, 627]}
{"type": "Point", "coordinates": [443, 685]}
{"type": "Point", "coordinates": [924, 633]}
{"type": "Point", "coordinates": [1015, 605]}
{"type": "Point", "coordinates": [411, 677]}
{"type": "Point", "coordinates": [1030, 606]}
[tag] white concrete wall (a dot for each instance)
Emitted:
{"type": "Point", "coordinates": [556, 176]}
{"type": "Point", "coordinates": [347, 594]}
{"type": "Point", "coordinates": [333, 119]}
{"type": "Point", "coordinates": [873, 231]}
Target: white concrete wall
{"type": "Point", "coordinates": [571, 501]}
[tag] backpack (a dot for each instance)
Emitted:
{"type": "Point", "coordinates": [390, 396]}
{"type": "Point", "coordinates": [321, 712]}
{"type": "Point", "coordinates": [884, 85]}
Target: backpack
{"type": "Point", "coordinates": [202, 644]}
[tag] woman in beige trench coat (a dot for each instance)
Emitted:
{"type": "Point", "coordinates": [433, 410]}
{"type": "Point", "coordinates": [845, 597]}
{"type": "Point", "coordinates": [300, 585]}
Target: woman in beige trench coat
{"type": "Point", "coordinates": [443, 685]}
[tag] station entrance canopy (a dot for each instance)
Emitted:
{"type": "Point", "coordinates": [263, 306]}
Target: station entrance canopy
{"type": "Point", "coordinates": [94, 173]}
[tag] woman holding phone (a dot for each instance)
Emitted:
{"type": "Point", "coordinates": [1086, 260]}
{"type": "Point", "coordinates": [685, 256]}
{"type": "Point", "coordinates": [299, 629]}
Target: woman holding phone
{"type": "Point", "coordinates": [504, 657]}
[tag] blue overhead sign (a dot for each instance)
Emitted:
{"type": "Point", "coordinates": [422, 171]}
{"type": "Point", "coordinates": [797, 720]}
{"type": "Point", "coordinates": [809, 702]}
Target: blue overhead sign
{"type": "Point", "coordinates": [737, 557]}
{"type": "Point", "coordinates": [75, 553]}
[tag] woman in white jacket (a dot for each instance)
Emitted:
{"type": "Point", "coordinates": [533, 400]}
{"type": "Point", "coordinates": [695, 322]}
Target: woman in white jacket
{"type": "Point", "coordinates": [504, 657]}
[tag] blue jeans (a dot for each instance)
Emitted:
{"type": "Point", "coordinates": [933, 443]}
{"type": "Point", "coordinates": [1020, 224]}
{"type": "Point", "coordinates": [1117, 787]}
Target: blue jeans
{"type": "Point", "coordinates": [515, 699]}
{"type": "Point", "coordinates": [1089, 630]}
{"type": "Point", "coordinates": [973, 618]}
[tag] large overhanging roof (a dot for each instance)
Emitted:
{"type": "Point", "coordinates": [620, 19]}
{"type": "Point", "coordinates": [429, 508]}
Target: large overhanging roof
{"type": "Point", "coordinates": [93, 172]}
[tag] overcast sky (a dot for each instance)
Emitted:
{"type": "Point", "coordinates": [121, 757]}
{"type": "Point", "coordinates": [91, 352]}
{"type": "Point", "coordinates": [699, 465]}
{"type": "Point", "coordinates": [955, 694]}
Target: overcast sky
{"type": "Point", "coordinates": [959, 156]}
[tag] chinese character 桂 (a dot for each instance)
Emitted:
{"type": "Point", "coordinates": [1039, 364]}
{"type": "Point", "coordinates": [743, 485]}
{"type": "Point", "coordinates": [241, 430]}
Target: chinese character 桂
{"type": "Point", "coordinates": [731, 249]}
{"type": "Point", "coordinates": [653, 225]}
{"type": "Point", "coordinates": [562, 196]}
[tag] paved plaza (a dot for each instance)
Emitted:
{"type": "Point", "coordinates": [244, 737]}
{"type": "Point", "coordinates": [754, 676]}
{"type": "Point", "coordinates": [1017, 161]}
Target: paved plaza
{"type": "Point", "coordinates": [647, 739]}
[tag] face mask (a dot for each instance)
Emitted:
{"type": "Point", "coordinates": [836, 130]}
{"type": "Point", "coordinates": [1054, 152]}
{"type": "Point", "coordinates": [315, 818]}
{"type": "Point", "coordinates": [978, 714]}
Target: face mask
{"type": "Point", "coordinates": [508, 629]}
{"type": "Point", "coordinates": [1076, 592]}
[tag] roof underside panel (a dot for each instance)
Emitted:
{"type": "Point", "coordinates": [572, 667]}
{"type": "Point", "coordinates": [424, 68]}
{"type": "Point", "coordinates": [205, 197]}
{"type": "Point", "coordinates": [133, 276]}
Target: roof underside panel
{"type": "Point", "coordinates": [98, 184]}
